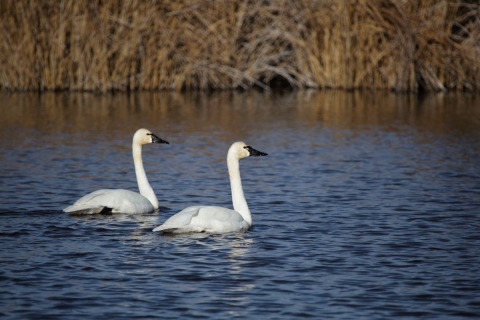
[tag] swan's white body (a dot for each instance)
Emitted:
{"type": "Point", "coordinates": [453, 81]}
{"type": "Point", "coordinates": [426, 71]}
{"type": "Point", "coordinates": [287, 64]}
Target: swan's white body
{"type": "Point", "coordinates": [213, 219]}
{"type": "Point", "coordinates": [120, 200]}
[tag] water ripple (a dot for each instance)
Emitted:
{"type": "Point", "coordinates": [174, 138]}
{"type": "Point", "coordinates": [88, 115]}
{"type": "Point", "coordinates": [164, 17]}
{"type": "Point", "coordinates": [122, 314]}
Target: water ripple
{"type": "Point", "coordinates": [351, 221]}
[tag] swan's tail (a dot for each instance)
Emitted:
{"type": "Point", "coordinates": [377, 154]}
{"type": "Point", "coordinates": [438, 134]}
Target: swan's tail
{"type": "Point", "coordinates": [185, 229]}
{"type": "Point", "coordinates": [164, 228]}
{"type": "Point", "coordinates": [86, 209]}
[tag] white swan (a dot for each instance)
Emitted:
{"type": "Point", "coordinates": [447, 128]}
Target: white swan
{"type": "Point", "coordinates": [217, 219]}
{"type": "Point", "coordinates": [120, 200]}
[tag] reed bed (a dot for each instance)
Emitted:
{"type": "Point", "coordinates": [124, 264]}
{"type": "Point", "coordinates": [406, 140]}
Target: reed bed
{"type": "Point", "coordinates": [104, 46]}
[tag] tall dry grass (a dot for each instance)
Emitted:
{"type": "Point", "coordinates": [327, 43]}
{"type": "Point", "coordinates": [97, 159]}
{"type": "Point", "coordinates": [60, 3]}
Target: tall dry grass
{"type": "Point", "coordinates": [198, 44]}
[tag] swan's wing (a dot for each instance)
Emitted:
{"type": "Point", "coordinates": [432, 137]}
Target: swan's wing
{"type": "Point", "coordinates": [218, 213]}
{"type": "Point", "coordinates": [204, 219]}
{"type": "Point", "coordinates": [114, 200]}
{"type": "Point", "coordinates": [220, 220]}
{"type": "Point", "coordinates": [179, 220]}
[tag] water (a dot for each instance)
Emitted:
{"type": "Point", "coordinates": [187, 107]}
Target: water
{"type": "Point", "coordinates": [367, 207]}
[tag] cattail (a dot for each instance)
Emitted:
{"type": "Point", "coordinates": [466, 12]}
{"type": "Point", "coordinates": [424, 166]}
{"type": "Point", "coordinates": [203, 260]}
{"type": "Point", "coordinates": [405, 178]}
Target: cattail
{"type": "Point", "coordinates": [188, 45]}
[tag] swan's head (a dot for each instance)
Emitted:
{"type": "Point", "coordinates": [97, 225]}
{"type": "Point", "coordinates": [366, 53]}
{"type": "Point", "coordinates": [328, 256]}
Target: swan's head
{"type": "Point", "coordinates": [145, 136]}
{"type": "Point", "coordinates": [242, 150]}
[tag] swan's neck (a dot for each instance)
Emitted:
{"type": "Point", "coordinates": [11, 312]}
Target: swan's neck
{"type": "Point", "coordinates": [143, 185]}
{"type": "Point", "coordinates": [239, 203]}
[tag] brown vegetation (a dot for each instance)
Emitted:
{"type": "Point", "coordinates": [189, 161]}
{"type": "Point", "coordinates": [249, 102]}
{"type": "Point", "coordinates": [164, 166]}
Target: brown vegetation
{"type": "Point", "coordinates": [199, 44]}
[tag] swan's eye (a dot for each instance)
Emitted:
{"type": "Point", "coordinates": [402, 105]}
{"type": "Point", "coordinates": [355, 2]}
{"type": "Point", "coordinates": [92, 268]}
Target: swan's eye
{"type": "Point", "coordinates": [149, 134]}
{"type": "Point", "coordinates": [246, 147]}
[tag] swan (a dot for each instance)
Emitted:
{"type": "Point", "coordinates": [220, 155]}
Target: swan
{"type": "Point", "coordinates": [213, 219]}
{"type": "Point", "coordinates": [121, 200]}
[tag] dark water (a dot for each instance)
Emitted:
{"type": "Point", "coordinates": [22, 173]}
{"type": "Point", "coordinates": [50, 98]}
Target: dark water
{"type": "Point", "coordinates": [367, 207]}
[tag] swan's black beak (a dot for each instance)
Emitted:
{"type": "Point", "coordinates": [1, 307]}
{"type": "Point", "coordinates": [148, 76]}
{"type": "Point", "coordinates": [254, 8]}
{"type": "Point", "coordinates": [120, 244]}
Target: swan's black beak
{"type": "Point", "coordinates": [255, 153]}
{"type": "Point", "coordinates": [156, 139]}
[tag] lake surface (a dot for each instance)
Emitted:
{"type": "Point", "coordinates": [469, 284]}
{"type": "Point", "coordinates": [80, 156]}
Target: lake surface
{"type": "Point", "coordinates": [367, 207]}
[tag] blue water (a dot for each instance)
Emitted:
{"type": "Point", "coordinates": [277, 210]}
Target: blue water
{"type": "Point", "coordinates": [367, 207]}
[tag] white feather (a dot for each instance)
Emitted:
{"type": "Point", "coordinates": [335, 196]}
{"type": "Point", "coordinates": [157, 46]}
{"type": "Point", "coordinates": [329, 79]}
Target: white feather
{"type": "Point", "coordinates": [213, 219]}
{"type": "Point", "coordinates": [120, 200]}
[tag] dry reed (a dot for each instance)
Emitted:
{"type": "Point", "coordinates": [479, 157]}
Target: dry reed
{"type": "Point", "coordinates": [182, 45]}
